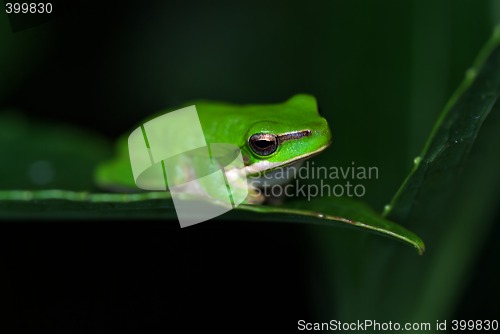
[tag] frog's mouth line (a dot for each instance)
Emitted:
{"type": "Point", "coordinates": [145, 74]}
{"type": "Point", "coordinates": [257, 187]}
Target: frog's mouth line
{"type": "Point", "coordinates": [265, 166]}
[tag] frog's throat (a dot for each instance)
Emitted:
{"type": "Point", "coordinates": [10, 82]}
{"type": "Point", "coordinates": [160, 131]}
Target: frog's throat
{"type": "Point", "coordinates": [265, 165]}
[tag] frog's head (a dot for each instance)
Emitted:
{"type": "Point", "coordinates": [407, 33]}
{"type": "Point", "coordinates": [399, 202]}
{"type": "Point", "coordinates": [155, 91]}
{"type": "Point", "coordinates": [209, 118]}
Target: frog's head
{"type": "Point", "coordinates": [287, 132]}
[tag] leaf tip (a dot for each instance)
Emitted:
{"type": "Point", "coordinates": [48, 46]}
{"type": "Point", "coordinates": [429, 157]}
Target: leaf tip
{"type": "Point", "coordinates": [420, 246]}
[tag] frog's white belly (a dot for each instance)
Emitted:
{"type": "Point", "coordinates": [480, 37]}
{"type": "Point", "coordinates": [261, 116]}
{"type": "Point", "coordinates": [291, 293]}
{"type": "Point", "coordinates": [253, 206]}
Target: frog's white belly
{"type": "Point", "coordinates": [238, 180]}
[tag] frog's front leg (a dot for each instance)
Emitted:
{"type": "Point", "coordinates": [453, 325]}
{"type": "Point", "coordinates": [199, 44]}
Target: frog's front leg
{"type": "Point", "coordinates": [270, 186]}
{"type": "Point", "coordinates": [240, 183]}
{"type": "Point", "coordinates": [255, 195]}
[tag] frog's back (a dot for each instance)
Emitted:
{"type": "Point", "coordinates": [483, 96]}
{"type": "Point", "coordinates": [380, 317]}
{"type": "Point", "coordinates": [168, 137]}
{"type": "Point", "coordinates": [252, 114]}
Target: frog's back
{"type": "Point", "coordinates": [230, 122]}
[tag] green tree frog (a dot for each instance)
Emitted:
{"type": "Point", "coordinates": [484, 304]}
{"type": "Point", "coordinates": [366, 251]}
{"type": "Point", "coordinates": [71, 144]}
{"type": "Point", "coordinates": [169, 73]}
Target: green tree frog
{"type": "Point", "coordinates": [269, 136]}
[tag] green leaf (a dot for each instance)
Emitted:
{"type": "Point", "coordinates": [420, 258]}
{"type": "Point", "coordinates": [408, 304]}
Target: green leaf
{"type": "Point", "coordinates": [53, 175]}
{"type": "Point", "coordinates": [341, 210]}
{"type": "Point", "coordinates": [158, 205]}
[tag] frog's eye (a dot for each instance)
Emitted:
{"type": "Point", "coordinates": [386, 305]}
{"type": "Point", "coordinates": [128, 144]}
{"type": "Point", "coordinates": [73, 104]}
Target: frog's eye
{"type": "Point", "coordinates": [263, 143]}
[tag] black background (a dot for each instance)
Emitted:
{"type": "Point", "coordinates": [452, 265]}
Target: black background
{"type": "Point", "coordinates": [131, 276]}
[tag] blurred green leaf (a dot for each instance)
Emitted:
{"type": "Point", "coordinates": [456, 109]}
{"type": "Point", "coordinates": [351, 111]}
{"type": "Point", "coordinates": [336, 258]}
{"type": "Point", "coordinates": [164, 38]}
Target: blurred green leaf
{"type": "Point", "coordinates": [43, 155]}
